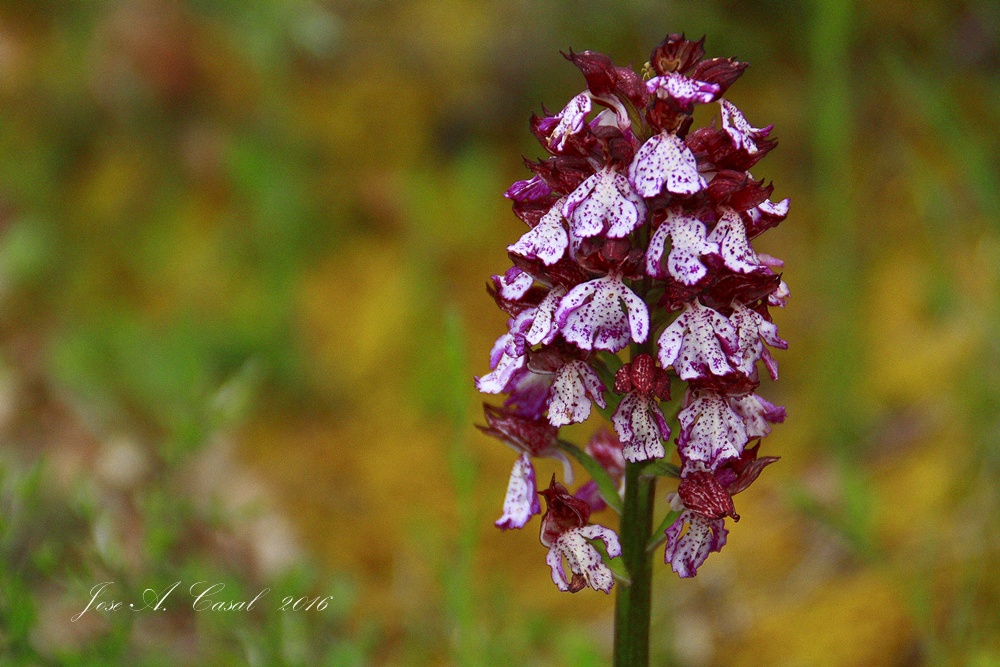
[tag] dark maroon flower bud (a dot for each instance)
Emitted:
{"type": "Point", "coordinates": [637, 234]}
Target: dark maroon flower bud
{"type": "Point", "coordinates": [702, 493]}
{"type": "Point", "coordinates": [643, 371]}
{"type": "Point", "coordinates": [725, 286]}
{"type": "Point", "coordinates": [677, 54]}
{"type": "Point", "coordinates": [563, 173]}
{"type": "Point", "coordinates": [730, 384]}
{"type": "Point", "coordinates": [714, 150]}
{"type": "Point", "coordinates": [563, 512]}
{"type": "Point", "coordinates": [746, 469]}
{"type": "Point", "coordinates": [720, 71]}
{"type": "Point", "coordinates": [607, 81]}
{"type": "Point", "coordinates": [737, 190]}
{"type": "Point", "coordinates": [565, 272]}
{"type": "Point", "coordinates": [534, 436]}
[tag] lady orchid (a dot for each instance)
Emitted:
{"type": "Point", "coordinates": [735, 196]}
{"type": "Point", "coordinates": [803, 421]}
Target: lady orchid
{"type": "Point", "coordinates": [636, 273]}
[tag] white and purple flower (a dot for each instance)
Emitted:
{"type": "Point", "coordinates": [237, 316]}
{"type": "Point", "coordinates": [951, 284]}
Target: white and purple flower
{"type": "Point", "coordinates": [591, 316]}
{"type": "Point", "coordinates": [604, 203]}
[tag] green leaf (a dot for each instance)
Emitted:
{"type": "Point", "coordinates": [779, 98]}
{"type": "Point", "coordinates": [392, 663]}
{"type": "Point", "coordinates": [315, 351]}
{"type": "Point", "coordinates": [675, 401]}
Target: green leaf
{"type": "Point", "coordinates": [660, 468]}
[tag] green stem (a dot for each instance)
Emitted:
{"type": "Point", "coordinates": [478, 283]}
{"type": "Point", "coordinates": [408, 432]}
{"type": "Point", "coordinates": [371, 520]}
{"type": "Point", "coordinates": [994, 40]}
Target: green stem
{"type": "Point", "coordinates": [632, 604]}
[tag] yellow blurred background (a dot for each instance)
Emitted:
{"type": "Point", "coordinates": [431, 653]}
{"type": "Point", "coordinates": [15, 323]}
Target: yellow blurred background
{"type": "Point", "coordinates": [243, 249]}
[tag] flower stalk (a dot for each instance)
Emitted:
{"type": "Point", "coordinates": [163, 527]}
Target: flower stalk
{"type": "Point", "coordinates": [633, 601]}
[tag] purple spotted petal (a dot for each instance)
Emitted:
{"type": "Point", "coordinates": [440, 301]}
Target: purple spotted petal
{"type": "Point", "coordinates": [731, 235]}
{"type": "Point", "coordinates": [513, 284]}
{"type": "Point", "coordinates": [688, 243]}
{"type": "Point", "coordinates": [685, 553]}
{"type": "Point", "coordinates": [684, 90]}
{"type": "Point", "coordinates": [665, 160]}
{"type": "Point", "coordinates": [521, 502]}
{"type": "Point", "coordinates": [779, 209]}
{"type": "Point", "coordinates": [584, 561]}
{"type": "Point", "coordinates": [739, 129]}
{"type": "Point", "coordinates": [508, 354]}
{"type": "Point", "coordinates": [698, 343]}
{"type": "Point", "coordinates": [504, 367]}
{"type": "Point", "coordinates": [547, 240]}
{"type": "Point", "coordinates": [641, 427]}
{"type": "Point", "coordinates": [591, 316]}
{"type": "Point", "coordinates": [753, 331]}
{"type": "Point", "coordinates": [711, 431]}
{"type": "Point", "coordinates": [543, 327]}
{"type": "Point", "coordinates": [604, 198]}
{"type": "Point", "coordinates": [758, 414]}
{"type": "Point", "coordinates": [571, 120]}
{"type": "Point", "coordinates": [575, 385]}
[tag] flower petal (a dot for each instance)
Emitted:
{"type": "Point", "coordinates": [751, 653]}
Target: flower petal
{"type": "Point", "coordinates": [513, 284]}
{"type": "Point", "coordinates": [591, 317]}
{"type": "Point", "coordinates": [752, 332]}
{"type": "Point", "coordinates": [698, 343]}
{"type": "Point", "coordinates": [739, 129]}
{"type": "Point", "coordinates": [605, 197]}
{"type": "Point", "coordinates": [641, 427]}
{"type": "Point", "coordinates": [584, 560]}
{"type": "Point", "coordinates": [521, 502]}
{"type": "Point", "coordinates": [573, 384]}
{"type": "Point", "coordinates": [710, 430]}
{"type": "Point", "coordinates": [546, 241]}
{"type": "Point", "coordinates": [731, 236]}
{"type": "Point", "coordinates": [571, 120]}
{"type": "Point", "coordinates": [685, 553]}
{"type": "Point", "coordinates": [506, 365]}
{"type": "Point", "coordinates": [622, 419]}
{"type": "Point", "coordinates": [758, 414]}
{"type": "Point", "coordinates": [688, 243]}
{"type": "Point", "coordinates": [685, 90]}
{"type": "Point", "coordinates": [543, 328]}
{"type": "Point", "coordinates": [665, 160]}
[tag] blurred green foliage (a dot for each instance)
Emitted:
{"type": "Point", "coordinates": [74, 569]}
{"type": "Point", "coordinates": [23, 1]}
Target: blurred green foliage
{"type": "Point", "coordinates": [266, 225]}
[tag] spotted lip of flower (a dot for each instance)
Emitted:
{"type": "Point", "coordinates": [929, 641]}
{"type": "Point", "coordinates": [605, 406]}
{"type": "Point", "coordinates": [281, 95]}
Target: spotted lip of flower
{"type": "Point", "coordinates": [688, 244]}
{"type": "Point", "coordinates": [686, 553]}
{"type": "Point", "coordinates": [575, 385]}
{"type": "Point", "coordinates": [698, 343]}
{"type": "Point", "coordinates": [638, 421]}
{"type": "Point", "coordinates": [521, 502]}
{"type": "Point", "coordinates": [711, 431]}
{"type": "Point", "coordinates": [565, 532]}
{"type": "Point", "coordinates": [547, 241]}
{"type": "Point", "coordinates": [665, 162]}
{"type": "Point", "coordinates": [605, 202]}
{"type": "Point", "coordinates": [590, 315]}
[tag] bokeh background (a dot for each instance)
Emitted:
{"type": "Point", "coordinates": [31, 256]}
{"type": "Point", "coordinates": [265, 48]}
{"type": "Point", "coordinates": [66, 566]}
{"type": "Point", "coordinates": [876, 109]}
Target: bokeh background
{"type": "Point", "coordinates": [243, 247]}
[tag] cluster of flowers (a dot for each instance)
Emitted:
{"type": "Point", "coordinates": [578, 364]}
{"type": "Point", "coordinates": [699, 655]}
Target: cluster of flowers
{"type": "Point", "coordinates": [594, 274]}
